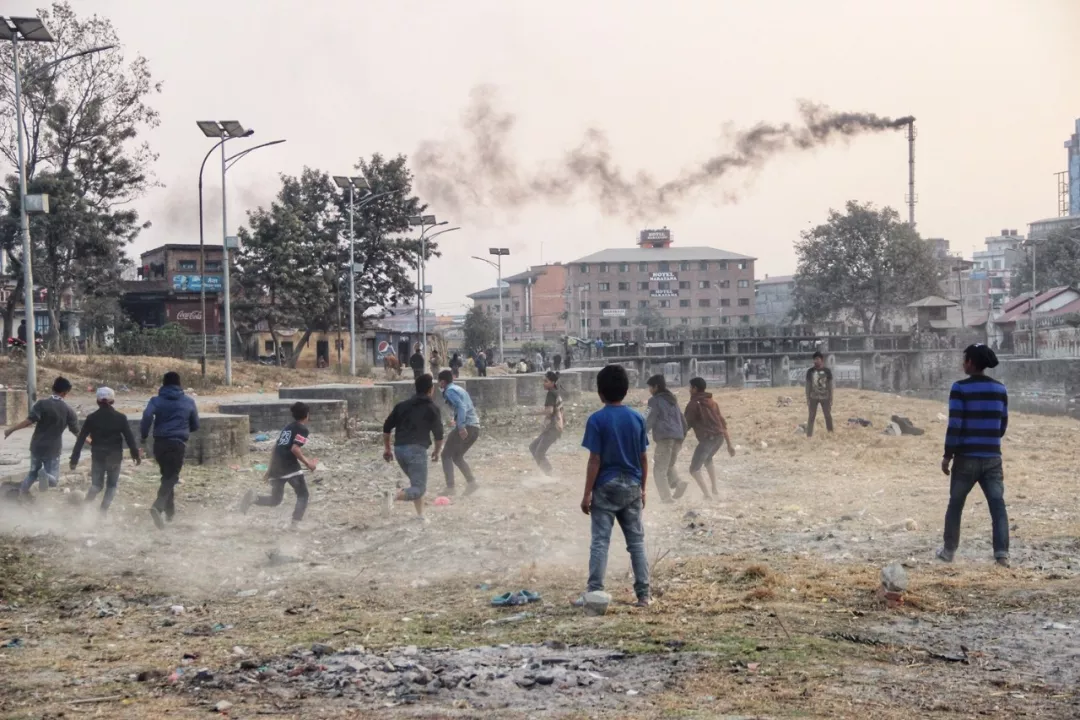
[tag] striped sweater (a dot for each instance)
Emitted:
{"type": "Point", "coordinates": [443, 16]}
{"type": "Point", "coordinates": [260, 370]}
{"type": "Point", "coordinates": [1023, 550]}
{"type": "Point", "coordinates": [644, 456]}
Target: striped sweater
{"type": "Point", "coordinates": [978, 416]}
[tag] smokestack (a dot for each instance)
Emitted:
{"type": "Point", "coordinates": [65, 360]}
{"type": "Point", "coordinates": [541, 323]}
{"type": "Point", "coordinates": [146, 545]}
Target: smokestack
{"type": "Point", "coordinates": [911, 198]}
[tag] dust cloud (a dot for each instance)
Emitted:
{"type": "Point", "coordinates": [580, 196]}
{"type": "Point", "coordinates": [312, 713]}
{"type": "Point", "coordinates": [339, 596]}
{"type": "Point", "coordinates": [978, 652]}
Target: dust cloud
{"type": "Point", "coordinates": [479, 169]}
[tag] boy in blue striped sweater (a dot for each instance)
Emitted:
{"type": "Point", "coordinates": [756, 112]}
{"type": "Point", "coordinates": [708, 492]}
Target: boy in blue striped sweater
{"type": "Point", "coordinates": [978, 416]}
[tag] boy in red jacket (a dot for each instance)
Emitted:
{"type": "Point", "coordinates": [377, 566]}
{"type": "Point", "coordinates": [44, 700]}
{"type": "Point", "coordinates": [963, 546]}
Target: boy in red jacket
{"type": "Point", "coordinates": [710, 429]}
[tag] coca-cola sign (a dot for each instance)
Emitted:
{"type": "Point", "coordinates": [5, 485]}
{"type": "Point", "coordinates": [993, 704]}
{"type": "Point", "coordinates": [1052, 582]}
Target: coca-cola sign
{"type": "Point", "coordinates": [189, 315]}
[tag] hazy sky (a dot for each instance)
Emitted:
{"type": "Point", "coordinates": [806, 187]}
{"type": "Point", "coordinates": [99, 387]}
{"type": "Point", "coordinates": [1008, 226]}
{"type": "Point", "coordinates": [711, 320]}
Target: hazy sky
{"type": "Point", "coordinates": [992, 83]}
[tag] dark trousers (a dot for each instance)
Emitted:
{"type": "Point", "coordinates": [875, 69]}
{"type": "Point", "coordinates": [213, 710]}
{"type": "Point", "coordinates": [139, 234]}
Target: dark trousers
{"type": "Point", "coordinates": [966, 473]}
{"type": "Point", "coordinates": [104, 474]}
{"type": "Point", "coordinates": [169, 454]}
{"type": "Point", "coordinates": [541, 444]}
{"type": "Point", "coordinates": [826, 410]}
{"type": "Point", "coordinates": [481, 370]}
{"type": "Point", "coordinates": [277, 494]}
{"type": "Point", "coordinates": [454, 454]}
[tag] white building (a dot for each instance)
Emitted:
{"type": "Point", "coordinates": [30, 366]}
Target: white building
{"type": "Point", "coordinates": [1003, 252]}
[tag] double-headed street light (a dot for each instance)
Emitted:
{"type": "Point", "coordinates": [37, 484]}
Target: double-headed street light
{"type": "Point", "coordinates": [498, 252]}
{"type": "Point", "coordinates": [225, 130]}
{"type": "Point", "coordinates": [426, 222]}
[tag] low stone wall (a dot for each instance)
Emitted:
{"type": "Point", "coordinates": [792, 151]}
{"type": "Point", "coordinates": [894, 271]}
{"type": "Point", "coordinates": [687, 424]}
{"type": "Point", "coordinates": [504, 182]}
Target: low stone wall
{"type": "Point", "coordinates": [530, 389]}
{"type": "Point", "coordinates": [399, 390]}
{"type": "Point", "coordinates": [220, 439]}
{"type": "Point", "coordinates": [327, 417]}
{"type": "Point", "coordinates": [569, 385]}
{"type": "Point", "coordinates": [492, 393]}
{"type": "Point", "coordinates": [13, 406]}
{"type": "Point", "coordinates": [365, 402]}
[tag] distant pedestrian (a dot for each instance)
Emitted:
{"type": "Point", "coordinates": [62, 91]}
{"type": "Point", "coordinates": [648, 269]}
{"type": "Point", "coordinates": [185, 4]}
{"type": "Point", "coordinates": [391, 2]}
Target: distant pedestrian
{"type": "Point", "coordinates": [464, 433]}
{"type": "Point", "coordinates": [436, 363]}
{"type": "Point", "coordinates": [455, 365]}
{"type": "Point", "coordinates": [704, 418]}
{"type": "Point", "coordinates": [481, 364]}
{"type": "Point", "coordinates": [538, 361]}
{"type": "Point", "coordinates": [978, 418]}
{"type": "Point", "coordinates": [556, 362]}
{"type": "Point", "coordinates": [50, 417]}
{"type": "Point", "coordinates": [569, 357]}
{"type": "Point", "coordinates": [416, 362]}
{"type": "Point", "coordinates": [553, 423]}
{"type": "Point", "coordinates": [615, 481]}
{"type": "Point", "coordinates": [668, 426]}
{"type": "Point", "coordinates": [819, 393]}
{"type": "Point", "coordinates": [413, 423]}
{"type": "Point", "coordinates": [109, 430]}
{"type": "Point", "coordinates": [285, 460]}
{"type": "Point", "coordinates": [174, 417]}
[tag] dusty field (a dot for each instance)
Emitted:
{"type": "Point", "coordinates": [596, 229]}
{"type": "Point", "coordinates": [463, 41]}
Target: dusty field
{"type": "Point", "coordinates": [766, 603]}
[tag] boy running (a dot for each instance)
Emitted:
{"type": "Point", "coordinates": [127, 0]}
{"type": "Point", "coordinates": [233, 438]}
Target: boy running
{"type": "Point", "coordinates": [414, 422]}
{"type": "Point", "coordinates": [110, 430]}
{"type": "Point", "coordinates": [285, 461]}
{"type": "Point", "coordinates": [978, 417]}
{"type": "Point", "coordinates": [465, 432]}
{"type": "Point", "coordinates": [174, 417]}
{"type": "Point", "coordinates": [710, 429]}
{"type": "Point", "coordinates": [668, 426]}
{"type": "Point", "coordinates": [553, 423]}
{"type": "Point", "coordinates": [615, 481]}
{"type": "Point", "coordinates": [49, 417]}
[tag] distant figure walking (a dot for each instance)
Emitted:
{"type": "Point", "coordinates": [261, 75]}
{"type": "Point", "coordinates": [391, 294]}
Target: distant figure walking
{"type": "Point", "coordinates": [455, 365]}
{"type": "Point", "coordinates": [416, 362]}
{"type": "Point", "coordinates": [481, 364]}
{"type": "Point", "coordinates": [819, 393]}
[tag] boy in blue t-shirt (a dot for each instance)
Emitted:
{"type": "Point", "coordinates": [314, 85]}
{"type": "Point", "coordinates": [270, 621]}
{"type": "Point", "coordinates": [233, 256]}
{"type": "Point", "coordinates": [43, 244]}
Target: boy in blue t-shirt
{"type": "Point", "coordinates": [618, 467]}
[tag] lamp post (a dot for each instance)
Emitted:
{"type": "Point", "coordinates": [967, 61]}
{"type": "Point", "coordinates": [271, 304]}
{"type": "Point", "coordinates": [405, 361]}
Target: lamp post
{"type": "Point", "coordinates": [352, 184]}
{"type": "Point", "coordinates": [29, 30]}
{"type": "Point", "coordinates": [498, 253]}
{"type": "Point", "coordinates": [426, 222]}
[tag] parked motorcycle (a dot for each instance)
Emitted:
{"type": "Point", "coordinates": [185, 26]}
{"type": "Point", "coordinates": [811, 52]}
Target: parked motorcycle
{"type": "Point", "coordinates": [17, 348]}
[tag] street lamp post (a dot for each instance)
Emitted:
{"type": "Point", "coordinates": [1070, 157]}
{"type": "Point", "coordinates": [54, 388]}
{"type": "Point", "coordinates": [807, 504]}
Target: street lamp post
{"type": "Point", "coordinates": [498, 253]}
{"type": "Point", "coordinates": [29, 30]}
{"type": "Point", "coordinates": [426, 222]}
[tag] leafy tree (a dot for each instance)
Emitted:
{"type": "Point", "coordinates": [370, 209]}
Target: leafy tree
{"type": "Point", "coordinates": [864, 261]}
{"type": "Point", "coordinates": [650, 319]}
{"type": "Point", "coordinates": [1057, 263]}
{"type": "Point", "coordinates": [479, 329]}
{"type": "Point", "coordinates": [82, 123]}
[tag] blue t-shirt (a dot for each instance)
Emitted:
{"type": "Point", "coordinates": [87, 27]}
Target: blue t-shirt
{"type": "Point", "coordinates": [617, 434]}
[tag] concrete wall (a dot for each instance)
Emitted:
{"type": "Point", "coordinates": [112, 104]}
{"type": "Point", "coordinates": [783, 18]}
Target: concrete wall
{"type": "Point", "coordinates": [399, 390]}
{"type": "Point", "coordinates": [569, 385]}
{"type": "Point", "coordinates": [327, 416]}
{"type": "Point", "coordinates": [13, 407]}
{"type": "Point", "coordinates": [1046, 386]}
{"type": "Point", "coordinates": [530, 389]}
{"type": "Point", "coordinates": [493, 392]}
{"type": "Point", "coordinates": [220, 439]}
{"type": "Point", "coordinates": [365, 402]}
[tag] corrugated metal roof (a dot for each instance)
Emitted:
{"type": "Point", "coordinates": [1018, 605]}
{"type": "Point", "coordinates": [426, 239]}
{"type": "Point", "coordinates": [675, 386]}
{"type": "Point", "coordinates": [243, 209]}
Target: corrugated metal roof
{"type": "Point", "coordinates": [489, 294]}
{"type": "Point", "coordinates": [671, 254]}
{"type": "Point", "coordinates": [932, 301]}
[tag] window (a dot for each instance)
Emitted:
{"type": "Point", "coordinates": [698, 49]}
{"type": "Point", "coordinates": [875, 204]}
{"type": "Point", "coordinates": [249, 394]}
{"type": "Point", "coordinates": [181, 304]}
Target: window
{"type": "Point", "coordinates": [704, 302]}
{"type": "Point", "coordinates": [741, 265]}
{"type": "Point", "coordinates": [706, 321]}
{"type": "Point", "coordinates": [268, 347]}
{"type": "Point", "coordinates": [604, 304]}
{"type": "Point", "coordinates": [584, 323]}
{"type": "Point", "coordinates": [603, 287]}
{"type": "Point", "coordinates": [684, 321]}
{"type": "Point", "coordinates": [684, 284]}
{"type": "Point", "coordinates": [624, 304]}
{"type": "Point", "coordinates": [602, 267]}
{"type": "Point", "coordinates": [584, 269]}
{"type": "Point", "coordinates": [744, 319]}
{"type": "Point", "coordinates": [586, 287]}
{"type": "Point", "coordinates": [684, 303]}
{"type": "Point", "coordinates": [643, 267]}
{"type": "Point", "coordinates": [725, 302]}
{"type": "Point", "coordinates": [684, 266]}
{"type": "Point", "coordinates": [624, 267]}
{"type": "Point", "coordinates": [663, 285]}
{"type": "Point", "coordinates": [663, 267]}
{"type": "Point", "coordinates": [724, 320]}
{"type": "Point", "coordinates": [623, 322]}
{"type": "Point", "coordinates": [703, 265]}
{"type": "Point", "coordinates": [665, 303]}
{"type": "Point", "coordinates": [723, 264]}
{"type": "Point", "coordinates": [506, 307]}
{"type": "Point", "coordinates": [725, 283]}
{"type": "Point", "coordinates": [744, 302]}
{"type": "Point", "coordinates": [605, 322]}
{"type": "Point", "coordinates": [586, 304]}
{"type": "Point", "coordinates": [624, 286]}
{"type": "Point", "coordinates": [643, 304]}
{"type": "Point", "coordinates": [187, 265]}
{"type": "Point", "coordinates": [744, 283]}
{"type": "Point", "coordinates": [517, 306]}
{"type": "Point", "coordinates": [213, 266]}
{"type": "Point", "coordinates": [643, 286]}
{"type": "Point", "coordinates": [704, 284]}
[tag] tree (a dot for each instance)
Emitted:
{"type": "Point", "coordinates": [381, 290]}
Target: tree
{"type": "Point", "coordinates": [82, 123]}
{"type": "Point", "coordinates": [864, 261]}
{"type": "Point", "coordinates": [651, 319]}
{"type": "Point", "coordinates": [479, 330]}
{"type": "Point", "coordinates": [1057, 263]}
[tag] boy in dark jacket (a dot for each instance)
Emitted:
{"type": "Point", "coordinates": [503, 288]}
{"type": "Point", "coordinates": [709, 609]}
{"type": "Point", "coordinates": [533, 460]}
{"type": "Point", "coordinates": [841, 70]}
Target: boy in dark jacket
{"type": "Point", "coordinates": [416, 362]}
{"type": "Point", "coordinates": [174, 417]}
{"type": "Point", "coordinates": [413, 423]}
{"type": "Point", "coordinates": [110, 430]}
{"type": "Point", "coordinates": [50, 417]}
{"type": "Point", "coordinates": [285, 461]}
{"type": "Point", "coordinates": [668, 427]}
{"type": "Point", "coordinates": [710, 429]}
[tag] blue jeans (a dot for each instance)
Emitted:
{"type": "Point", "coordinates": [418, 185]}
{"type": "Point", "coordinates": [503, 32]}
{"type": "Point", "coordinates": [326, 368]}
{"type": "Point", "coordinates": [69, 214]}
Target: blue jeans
{"type": "Point", "coordinates": [618, 500]}
{"type": "Point", "coordinates": [45, 468]}
{"type": "Point", "coordinates": [986, 473]}
{"type": "Point", "coordinates": [413, 461]}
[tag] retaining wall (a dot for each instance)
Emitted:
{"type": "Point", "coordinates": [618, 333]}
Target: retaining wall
{"type": "Point", "coordinates": [327, 417]}
{"type": "Point", "coordinates": [530, 389]}
{"type": "Point", "coordinates": [220, 439]}
{"type": "Point", "coordinates": [13, 406]}
{"type": "Point", "coordinates": [492, 393]}
{"type": "Point", "coordinates": [365, 402]}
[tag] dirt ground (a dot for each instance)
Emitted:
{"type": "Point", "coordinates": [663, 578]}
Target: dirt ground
{"type": "Point", "coordinates": [767, 600]}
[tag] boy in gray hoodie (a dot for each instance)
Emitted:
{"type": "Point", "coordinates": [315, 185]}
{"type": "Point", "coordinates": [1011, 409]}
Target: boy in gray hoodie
{"type": "Point", "coordinates": [668, 426]}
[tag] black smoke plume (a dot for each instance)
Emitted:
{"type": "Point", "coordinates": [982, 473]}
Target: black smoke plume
{"type": "Point", "coordinates": [480, 171]}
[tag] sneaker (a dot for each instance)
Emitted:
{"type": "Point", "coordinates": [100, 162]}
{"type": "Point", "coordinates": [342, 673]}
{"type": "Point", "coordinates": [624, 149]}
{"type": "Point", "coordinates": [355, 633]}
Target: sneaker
{"type": "Point", "coordinates": [645, 601]}
{"type": "Point", "coordinates": [470, 488]}
{"type": "Point", "coordinates": [245, 503]}
{"type": "Point", "coordinates": [679, 490]}
{"type": "Point", "coordinates": [156, 515]}
{"type": "Point", "coordinates": [1002, 561]}
{"type": "Point", "coordinates": [421, 519]}
{"type": "Point", "coordinates": [450, 491]}
{"type": "Point", "coordinates": [578, 602]}
{"type": "Point", "coordinates": [944, 556]}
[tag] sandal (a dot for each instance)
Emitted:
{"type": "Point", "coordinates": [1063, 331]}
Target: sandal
{"type": "Point", "coordinates": [509, 599]}
{"type": "Point", "coordinates": [529, 595]}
